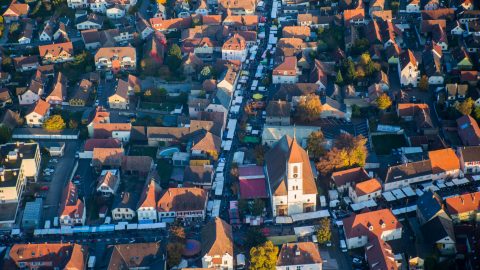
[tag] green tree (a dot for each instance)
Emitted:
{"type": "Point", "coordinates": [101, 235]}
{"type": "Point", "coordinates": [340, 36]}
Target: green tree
{"type": "Point", "coordinates": [207, 72]}
{"type": "Point", "coordinates": [324, 232]}
{"type": "Point", "coordinates": [263, 257]}
{"type": "Point", "coordinates": [476, 113]}
{"type": "Point", "coordinates": [5, 134]}
{"type": "Point", "coordinates": [315, 144]}
{"type": "Point", "coordinates": [309, 108]}
{"type": "Point", "coordinates": [174, 254]}
{"type": "Point", "coordinates": [356, 112]}
{"type": "Point", "coordinates": [54, 123]}
{"type": "Point", "coordinates": [383, 102]}
{"type": "Point", "coordinates": [258, 207]}
{"type": "Point", "coordinates": [174, 57]}
{"type": "Point", "coordinates": [339, 79]}
{"type": "Point", "coordinates": [423, 83]}
{"type": "Point", "coordinates": [365, 59]}
{"type": "Point", "coordinates": [465, 107]}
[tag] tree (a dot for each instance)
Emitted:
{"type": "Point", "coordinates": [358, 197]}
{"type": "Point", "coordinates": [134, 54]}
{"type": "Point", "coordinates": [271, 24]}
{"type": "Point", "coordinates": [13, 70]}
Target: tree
{"type": "Point", "coordinates": [324, 232]}
{"type": "Point", "coordinates": [73, 124]}
{"type": "Point", "coordinates": [263, 257]}
{"type": "Point", "coordinates": [162, 2]}
{"type": "Point", "coordinates": [355, 148]}
{"type": "Point", "coordinates": [174, 254]}
{"type": "Point", "coordinates": [423, 83]}
{"type": "Point", "coordinates": [174, 57]}
{"type": "Point", "coordinates": [254, 237]}
{"type": "Point", "coordinates": [177, 234]}
{"type": "Point", "coordinates": [339, 79]}
{"type": "Point", "coordinates": [309, 108]}
{"type": "Point", "coordinates": [259, 154]}
{"type": "Point", "coordinates": [476, 113]}
{"type": "Point", "coordinates": [356, 112]}
{"type": "Point", "coordinates": [365, 59]}
{"type": "Point", "coordinates": [258, 206]}
{"type": "Point", "coordinates": [383, 102]}
{"type": "Point", "coordinates": [5, 134]}
{"type": "Point", "coordinates": [465, 107]}
{"type": "Point", "coordinates": [331, 161]}
{"type": "Point", "coordinates": [315, 144]}
{"type": "Point", "coordinates": [207, 72]}
{"type": "Point", "coordinates": [54, 123]}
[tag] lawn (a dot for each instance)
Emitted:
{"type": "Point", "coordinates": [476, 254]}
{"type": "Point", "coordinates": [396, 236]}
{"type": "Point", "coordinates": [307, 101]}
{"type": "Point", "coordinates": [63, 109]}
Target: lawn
{"type": "Point", "coordinates": [383, 144]}
{"type": "Point", "coordinates": [164, 106]}
{"type": "Point", "coordinates": [140, 150]}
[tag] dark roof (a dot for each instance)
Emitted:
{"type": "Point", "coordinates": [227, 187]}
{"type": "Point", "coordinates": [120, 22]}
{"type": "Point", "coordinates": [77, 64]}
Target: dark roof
{"type": "Point", "coordinates": [127, 200]}
{"type": "Point", "coordinates": [438, 228]}
{"type": "Point", "coordinates": [429, 204]}
{"type": "Point", "coordinates": [136, 255]}
{"type": "Point", "coordinates": [470, 153]}
{"type": "Point", "coordinates": [408, 170]}
{"type": "Point", "coordinates": [287, 91]}
{"type": "Point", "coordinates": [468, 130]}
{"type": "Point", "coordinates": [198, 175]}
{"type": "Point", "coordinates": [278, 109]}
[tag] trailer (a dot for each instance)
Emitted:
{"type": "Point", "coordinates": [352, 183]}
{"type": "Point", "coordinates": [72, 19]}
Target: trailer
{"type": "Point", "coordinates": [227, 145]}
{"type": "Point", "coordinates": [231, 126]}
{"type": "Point", "coordinates": [238, 157]}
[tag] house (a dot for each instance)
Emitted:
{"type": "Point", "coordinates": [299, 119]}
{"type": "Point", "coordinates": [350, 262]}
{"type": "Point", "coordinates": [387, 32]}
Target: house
{"type": "Point", "coordinates": [90, 21]}
{"type": "Point", "coordinates": [108, 182]}
{"type": "Point", "coordinates": [124, 206]}
{"type": "Point", "coordinates": [5, 97]}
{"type": "Point", "coordinates": [468, 131]}
{"type": "Point", "coordinates": [72, 210]}
{"type": "Point", "coordinates": [318, 75]}
{"type": "Point", "coordinates": [27, 33]}
{"type": "Point", "coordinates": [15, 11]}
{"type": "Point", "coordinates": [38, 114]}
{"type": "Point", "coordinates": [147, 205]}
{"type": "Point", "coordinates": [182, 204]}
{"type": "Point", "coordinates": [217, 245]}
{"type": "Point", "coordinates": [379, 255]}
{"type": "Point", "coordinates": [353, 16]}
{"type": "Point", "coordinates": [48, 255]}
{"type": "Point", "coordinates": [460, 59]}
{"type": "Point", "coordinates": [408, 111]}
{"type": "Point", "coordinates": [333, 109]}
{"type": "Point", "coordinates": [116, 59]}
{"type": "Point", "coordinates": [226, 85]}
{"type": "Point", "coordinates": [56, 53]}
{"type": "Point", "coordinates": [445, 164]}
{"type": "Point", "coordinates": [408, 69]}
{"type": "Point", "coordinates": [382, 224]}
{"type": "Point", "coordinates": [170, 25]}
{"type": "Point", "coordinates": [432, 63]}
{"type": "Point", "coordinates": [143, 26]}
{"type": "Point", "coordinates": [439, 233]}
{"type": "Point", "coordinates": [198, 176]}
{"type": "Point", "coordinates": [429, 206]}
{"type": "Point", "coordinates": [31, 94]}
{"type": "Point", "coordinates": [120, 99]}
{"type": "Point", "coordinates": [278, 113]}
{"type": "Point", "coordinates": [115, 12]}
{"type": "Point", "coordinates": [235, 48]}
{"type": "Point", "coordinates": [59, 92]}
{"type": "Point", "coordinates": [413, 6]}
{"type": "Point", "coordinates": [120, 131]}
{"type": "Point", "coordinates": [347, 179]}
{"type": "Point", "coordinates": [192, 65]}
{"type": "Point", "coordinates": [301, 32]}
{"type": "Point", "coordinates": [464, 208]}
{"type": "Point", "coordinates": [26, 63]}
{"type": "Point", "coordinates": [469, 159]}
{"type": "Point", "coordinates": [136, 256]}
{"type": "Point", "coordinates": [403, 175]}
{"type": "Point", "coordinates": [202, 8]}
{"type": "Point", "coordinates": [206, 145]}
{"type": "Point", "coordinates": [299, 255]}
{"type": "Point", "coordinates": [108, 158]}
{"type": "Point", "coordinates": [137, 165]}
{"type": "Point", "coordinates": [236, 7]}
{"type": "Point", "coordinates": [365, 190]}
{"type": "Point", "coordinates": [272, 134]}
{"type": "Point", "coordinates": [291, 183]}
{"type": "Point", "coordinates": [81, 93]}
{"type": "Point", "coordinates": [286, 72]}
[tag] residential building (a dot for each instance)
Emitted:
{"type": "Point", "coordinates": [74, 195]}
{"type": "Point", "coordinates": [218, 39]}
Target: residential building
{"type": "Point", "coordinates": [37, 115]}
{"type": "Point", "coordinates": [359, 228]}
{"type": "Point", "coordinates": [182, 204]}
{"type": "Point", "coordinates": [468, 131]}
{"type": "Point", "coordinates": [301, 32]}
{"type": "Point", "coordinates": [107, 158]}
{"type": "Point", "coordinates": [116, 59]}
{"type": "Point", "coordinates": [235, 48]}
{"type": "Point", "coordinates": [120, 131]}
{"type": "Point", "coordinates": [366, 190]}
{"type": "Point", "coordinates": [429, 206]}
{"type": "Point", "coordinates": [26, 63]}
{"type": "Point", "coordinates": [464, 208]}
{"type": "Point", "coordinates": [206, 145]}
{"type": "Point", "coordinates": [469, 159]}
{"type": "Point", "coordinates": [272, 134]}
{"type": "Point", "coordinates": [59, 92]}
{"type": "Point", "coordinates": [124, 206]}
{"type": "Point", "coordinates": [136, 256]}
{"type": "Point", "coordinates": [408, 69]}
{"type": "Point", "coordinates": [32, 93]}
{"type": "Point", "coordinates": [147, 206]}
{"type": "Point", "coordinates": [120, 99]}
{"type": "Point", "coordinates": [299, 255]}
{"type": "Point", "coordinates": [235, 7]}
{"type": "Point", "coordinates": [90, 21]}
{"type": "Point", "coordinates": [137, 165]}
{"type": "Point", "coordinates": [347, 179]}
{"type": "Point", "coordinates": [56, 53]}
{"type": "Point", "coordinates": [49, 255]}
{"type": "Point", "coordinates": [81, 93]}
{"type": "Point", "coordinates": [278, 113]}
{"type": "Point", "coordinates": [445, 164]}
{"type": "Point", "coordinates": [72, 210]}
{"type": "Point", "coordinates": [108, 182]}
{"type": "Point", "coordinates": [379, 255]}
{"type": "Point", "coordinates": [217, 245]}
{"type": "Point", "coordinates": [403, 175]}
{"type": "Point", "coordinates": [439, 233]}
{"type": "Point", "coordinates": [15, 12]}
{"type": "Point", "coordinates": [200, 176]}
{"type": "Point", "coordinates": [291, 183]}
{"type": "Point", "coordinates": [286, 72]}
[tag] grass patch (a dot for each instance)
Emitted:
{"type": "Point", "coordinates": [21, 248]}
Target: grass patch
{"type": "Point", "coordinates": [138, 150]}
{"type": "Point", "coordinates": [383, 144]}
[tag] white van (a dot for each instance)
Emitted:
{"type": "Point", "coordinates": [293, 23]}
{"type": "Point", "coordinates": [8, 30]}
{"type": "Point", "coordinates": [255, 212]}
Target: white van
{"type": "Point", "coordinates": [343, 245]}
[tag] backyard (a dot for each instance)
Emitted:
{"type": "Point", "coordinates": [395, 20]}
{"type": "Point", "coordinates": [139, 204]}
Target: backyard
{"type": "Point", "coordinates": [383, 144]}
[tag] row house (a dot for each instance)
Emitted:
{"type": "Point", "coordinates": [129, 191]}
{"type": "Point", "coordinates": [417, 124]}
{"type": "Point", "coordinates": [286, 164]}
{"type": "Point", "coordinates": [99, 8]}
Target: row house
{"type": "Point", "coordinates": [408, 69]}
{"type": "Point", "coordinates": [56, 53]}
{"type": "Point", "coordinates": [90, 21]}
{"type": "Point", "coordinates": [286, 72]}
{"type": "Point", "coordinates": [235, 48]}
{"type": "Point", "coordinates": [301, 32]}
{"type": "Point", "coordinates": [48, 256]}
{"type": "Point", "coordinates": [244, 23]}
{"type": "Point", "coordinates": [116, 59]}
{"type": "Point", "coordinates": [366, 190]}
{"type": "Point", "coordinates": [403, 175]}
{"type": "Point", "coordinates": [469, 159]}
{"type": "Point", "coordinates": [182, 204]}
{"type": "Point", "coordinates": [38, 114]}
{"type": "Point", "coordinates": [455, 92]}
{"type": "Point", "coordinates": [124, 206]}
{"type": "Point", "coordinates": [72, 210]}
{"type": "Point", "coordinates": [445, 164]}
{"type": "Point", "coordinates": [170, 25]}
{"type": "Point", "coordinates": [315, 21]}
{"type": "Point", "coordinates": [464, 208]}
{"type": "Point", "coordinates": [234, 7]}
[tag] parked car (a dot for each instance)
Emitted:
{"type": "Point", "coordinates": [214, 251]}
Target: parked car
{"type": "Point", "coordinates": [44, 188]}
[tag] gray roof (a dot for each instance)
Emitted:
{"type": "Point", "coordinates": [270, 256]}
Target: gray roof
{"type": "Point", "coordinates": [408, 170]}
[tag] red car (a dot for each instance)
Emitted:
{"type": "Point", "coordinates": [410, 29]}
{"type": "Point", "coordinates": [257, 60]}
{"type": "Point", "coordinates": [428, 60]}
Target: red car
{"type": "Point", "coordinates": [44, 188]}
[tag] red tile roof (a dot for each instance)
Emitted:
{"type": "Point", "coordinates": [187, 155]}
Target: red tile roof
{"type": "Point", "coordinates": [104, 130]}
{"type": "Point", "coordinates": [444, 160]}
{"type": "Point", "coordinates": [56, 49]}
{"type": "Point", "coordinates": [72, 206]}
{"type": "Point", "coordinates": [463, 203]}
{"type": "Point", "coordinates": [182, 199]}
{"type": "Point", "coordinates": [367, 187]}
{"type": "Point", "coordinates": [353, 175]}
{"type": "Point", "coordinates": [299, 253]}
{"type": "Point", "coordinates": [372, 222]}
{"type": "Point", "coordinates": [41, 107]}
{"type": "Point", "coordinates": [288, 65]}
{"type": "Point", "coordinates": [90, 144]}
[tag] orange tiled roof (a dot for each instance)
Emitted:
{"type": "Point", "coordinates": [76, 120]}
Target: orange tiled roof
{"type": "Point", "coordinates": [367, 187]}
{"type": "Point", "coordinates": [56, 49]}
{"type": "Point", "coordinates": [463, 203]}
{"type": "Point", "coordinates": [444, 160]}
{"type": "Point", "coordinates": [375, 222]}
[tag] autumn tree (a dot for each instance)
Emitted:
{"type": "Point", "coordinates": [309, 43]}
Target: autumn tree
{"type": "Point", "coordinates": [324, 232]}
{"type": "Point", "coordinates": [259, 154]}
{"type": "Point", "coordinates": [383, 102]}
{"type": "Point", "coordinates": [177, 234]}
{"type": "Point", "coordinates": [174, 57]}
{"type": "Point", "coordinates": [423, 83]}
{"type": "Point", "coordinates": [465, 107]}
{"type": "Point", "coordinates": [309, 108]}
{"type": "Point", "coordinates": [476, 113]}
{"type": "Point", "coordinates": [207, 72]}
{"type": "Point", "coordinates": [315, 144]}
{"type": "Point", "coordinates": [339, 79]}
{"type": "Point", "coordinates": [174, 254]}
{"type": "Point", "coordinates": [263, 257]}
{"type": "Point", "coordinates": [54, 123]}
{"type": "Point", "coordinates": [331, 161]}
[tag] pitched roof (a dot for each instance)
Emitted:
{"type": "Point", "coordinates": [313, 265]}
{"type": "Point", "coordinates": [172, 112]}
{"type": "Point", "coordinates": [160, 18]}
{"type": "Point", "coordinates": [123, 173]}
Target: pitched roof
{"type": "Point", "coordinates": [217, 238]}
{"type": "Point", "coordinates": [296, 32]}
{"type": "Point", "coordinates": [429, 204]}
{"type": "Point", "coordinates": [90, 144]}
{"type": "Point", "coordinates": [379, 255]}
{"type": "Point", "coordinates": [61, 255]}
{"type": "Point", "coordinates": [278, 109]}
{"type": "Point", "coordinates": [182, 199]}
{"type": "Point", "coordinates": [41, 107]}
{"type": "Point", "coordinates": [116, 53]}
{"type": "Point", "coordinates": [411, 109]}
{"type": "Point", "coordinates": [353, 14]}
{"type": "Point", "coordinates": [104, 130]}
{"type": "Point", "coordinates": [289, 65]}
{"type": "Point", "coordinates": [370, 222]}
{"type": "Point", "coordinates": [122, 89]}
{"type": "Point", "coordinates": [367, 187]}
{"type": "Point", "coordinates": [108, 178]}
{"type": "Point", "coordinates": [444, 160]}
{"type": "Point", "coordinates": [353, 175]}
{"type": "Point", "coordinates": [198, 175]}
{"type": "Point", "coordinates": [408, 170]}
{"type": "Point", "coordinates": [206, 141]}
{"type": "Point", "coordinates": [150, 195]}
{"type": "Point", "coordinates": [136, 255]}
{"type": "Point", "coordinates": [438, 228]}
{"type": "Point", "coordinates": [56, 49]}
{"type": "Point", "coordinates": [18, 8]}
{"type": "Point", "coordinates": [299, 253]}
{"type": "Point", "coordinates": [470, 153]}
{"type": "Point", "coordinates": [288, 150]}
{"type": "Point", "coordinates": [468, 130]}
{"type": "Point", "coordinates": [463, 203]}
{"type": "Point", "coordinates": [236, 43]}
{"type": "Point", "coordinates": [407, 57]}
{"type": "Point", "coordinates": [72, 206]}
{"type": "Point", "coordinates": [141, 164]}
{"type": "Point", "coordinates": [59, 92]}
{"type": "Point", "coordinates": [107, 156]}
